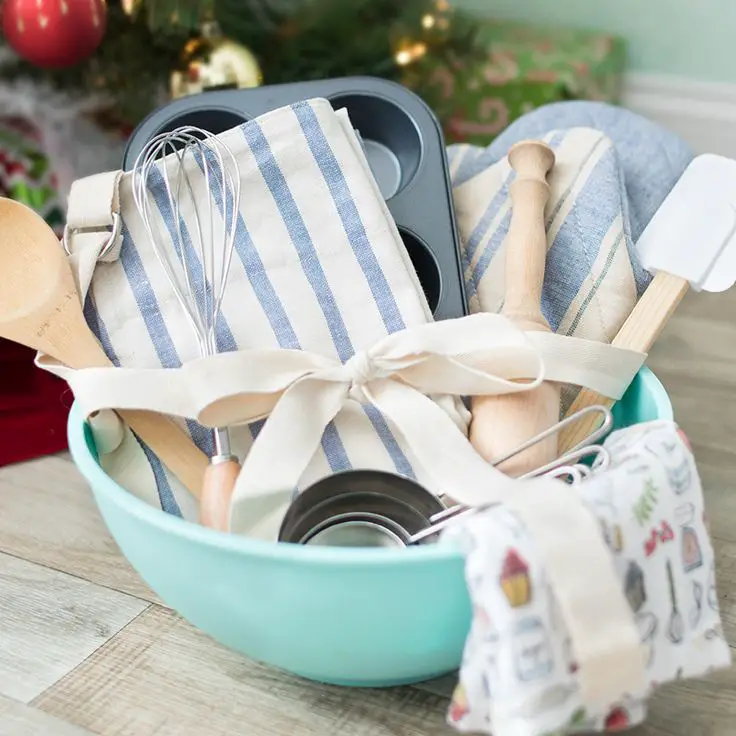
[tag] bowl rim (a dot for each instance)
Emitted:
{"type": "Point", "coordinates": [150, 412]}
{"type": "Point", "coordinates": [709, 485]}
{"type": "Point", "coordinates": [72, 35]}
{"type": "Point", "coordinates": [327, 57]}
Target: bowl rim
{"type": "Point", "coordinates": [104, 486]}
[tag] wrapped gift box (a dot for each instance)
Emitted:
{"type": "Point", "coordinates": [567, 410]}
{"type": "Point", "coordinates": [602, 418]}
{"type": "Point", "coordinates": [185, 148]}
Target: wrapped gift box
{"type": "Point", "coordinates": [33, 404]}
{"type": "Point", "coordinates": [33, 407]}
{"type": "Point", "coordinates": [523, 68]}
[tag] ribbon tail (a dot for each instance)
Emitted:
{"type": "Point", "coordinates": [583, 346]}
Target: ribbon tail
{"type": "Point", "coordinates": [586, 585]}
{"type": "Point", "coordinates": [605, 369]}
{"type": "Point", "coordinates": [560, 525]}
{"type": "Point", "coordinates": [440, 447]}
{"type": "Point", "coordinates": [281, 453]}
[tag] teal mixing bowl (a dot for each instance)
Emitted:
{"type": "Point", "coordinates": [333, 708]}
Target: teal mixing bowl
{"type": "Point", "coordinates": [360, 617]}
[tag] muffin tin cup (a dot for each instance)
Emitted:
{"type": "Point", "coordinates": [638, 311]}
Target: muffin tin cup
{"type": "Point", "coordinates": [403, 144]}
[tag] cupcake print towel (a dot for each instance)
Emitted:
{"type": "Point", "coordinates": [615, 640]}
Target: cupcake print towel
{"type": "Point", "coordinates": [519, 674]}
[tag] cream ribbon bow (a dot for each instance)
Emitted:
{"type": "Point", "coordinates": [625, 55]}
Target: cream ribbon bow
{"type": "Point", "coordinates": [301, 392]}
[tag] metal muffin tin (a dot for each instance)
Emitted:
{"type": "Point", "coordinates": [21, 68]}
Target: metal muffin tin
{"type": "Point", "coordinates": [403, 143]}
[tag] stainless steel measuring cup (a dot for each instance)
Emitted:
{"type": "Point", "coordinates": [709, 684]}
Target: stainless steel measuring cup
{"type": "Point", "coordinates": [370, 508]}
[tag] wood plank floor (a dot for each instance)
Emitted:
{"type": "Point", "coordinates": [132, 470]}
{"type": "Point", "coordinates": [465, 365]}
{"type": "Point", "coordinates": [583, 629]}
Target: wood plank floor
{"type": "Point", "coordinates": [86, 648]}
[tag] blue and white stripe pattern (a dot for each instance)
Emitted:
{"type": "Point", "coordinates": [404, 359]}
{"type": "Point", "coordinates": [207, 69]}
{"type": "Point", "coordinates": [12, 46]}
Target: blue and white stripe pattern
{"type": "Point", "coordinates": [591, 281]}
{"type": "Point", "coordinates": [318, 265]}
{"type": "Point", "coordinates": [613, 169]}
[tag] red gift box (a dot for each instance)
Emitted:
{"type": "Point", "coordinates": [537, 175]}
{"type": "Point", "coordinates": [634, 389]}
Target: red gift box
{"type": "Point", "coordinates": [34, 406]}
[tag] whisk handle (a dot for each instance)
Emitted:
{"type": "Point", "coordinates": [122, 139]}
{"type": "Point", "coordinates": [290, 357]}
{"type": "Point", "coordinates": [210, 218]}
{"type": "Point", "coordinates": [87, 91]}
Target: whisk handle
{"type": "Point", "coordinates": [217, 492]}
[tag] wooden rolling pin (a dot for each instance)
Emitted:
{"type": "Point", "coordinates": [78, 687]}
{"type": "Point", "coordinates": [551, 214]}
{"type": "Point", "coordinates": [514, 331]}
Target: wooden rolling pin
{"type": "Point", "coordinates": [502, 423]}
{"type": "Point", "coordinates": [639, 332]}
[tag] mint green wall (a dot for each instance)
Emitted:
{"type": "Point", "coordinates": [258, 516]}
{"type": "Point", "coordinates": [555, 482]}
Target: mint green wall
{"type": "Point", "coordinates": [693, 38]}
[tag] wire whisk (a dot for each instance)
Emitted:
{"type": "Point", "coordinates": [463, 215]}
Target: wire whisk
{"type": "Point", "coordinates": [186, 187]}
{"type": "Point", "coordinates": [568, 465]}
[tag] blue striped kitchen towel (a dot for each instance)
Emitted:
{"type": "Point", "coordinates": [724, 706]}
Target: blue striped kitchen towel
{"type": "Point", "coordinates": [612, 171]}
{"type": "Point", "coordinates": [319, 265]}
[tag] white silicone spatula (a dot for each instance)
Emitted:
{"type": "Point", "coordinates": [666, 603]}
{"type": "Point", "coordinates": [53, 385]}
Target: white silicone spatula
{"type": "Point", "coordinates": [690, 243]}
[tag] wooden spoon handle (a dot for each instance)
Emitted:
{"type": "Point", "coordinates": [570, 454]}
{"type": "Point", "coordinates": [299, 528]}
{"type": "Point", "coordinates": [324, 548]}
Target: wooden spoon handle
{"type": "Point", "coordinates": [40, 308]}
{"type": "Point", "coordinates": [172, 446]}
{"type": "Point", "coordinates": [639, 332]}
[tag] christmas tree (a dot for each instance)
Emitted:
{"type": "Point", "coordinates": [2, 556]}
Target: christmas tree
{"type": "Point", "coordinates": [131, 55]}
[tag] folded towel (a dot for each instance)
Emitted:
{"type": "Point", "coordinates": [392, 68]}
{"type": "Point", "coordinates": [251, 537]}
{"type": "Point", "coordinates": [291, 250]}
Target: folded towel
{"type": "Point", "coordinates": [613, 170]}
{"type": "Point", "coordinates": [319, 265]}
{"type": "Point", "coordinates": [519, 674]}
{"type": "Point", "coordinates": [650, 158]}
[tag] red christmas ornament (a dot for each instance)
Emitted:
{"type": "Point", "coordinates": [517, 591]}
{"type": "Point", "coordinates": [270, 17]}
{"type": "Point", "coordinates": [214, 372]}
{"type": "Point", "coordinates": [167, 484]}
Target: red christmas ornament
{"type": "Point", "coordinates": [54, 33]}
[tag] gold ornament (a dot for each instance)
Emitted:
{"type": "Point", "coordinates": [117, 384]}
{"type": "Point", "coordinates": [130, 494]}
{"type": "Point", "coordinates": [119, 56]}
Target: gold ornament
{"type": "Point", "coordinates": [212, 61]}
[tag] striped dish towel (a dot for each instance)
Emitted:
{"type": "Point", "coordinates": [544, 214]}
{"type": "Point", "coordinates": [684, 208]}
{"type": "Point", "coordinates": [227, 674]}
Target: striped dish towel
{"type": "Point", "coordinates": [613, 169]}
{"type": "Point", "coordinates": [592, 280]}
{"type": "Point", "coordinates": [319, 265]}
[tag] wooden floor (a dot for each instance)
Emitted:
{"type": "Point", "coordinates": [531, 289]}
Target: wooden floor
{"type": "Point", "coordinates": [86, 648]}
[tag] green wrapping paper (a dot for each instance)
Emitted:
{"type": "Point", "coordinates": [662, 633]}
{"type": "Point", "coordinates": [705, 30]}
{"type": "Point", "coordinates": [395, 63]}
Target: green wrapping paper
{"type": "Point", "coordinates": [525, 67]}
{"type": "Point", "coordinates": [25, 171]}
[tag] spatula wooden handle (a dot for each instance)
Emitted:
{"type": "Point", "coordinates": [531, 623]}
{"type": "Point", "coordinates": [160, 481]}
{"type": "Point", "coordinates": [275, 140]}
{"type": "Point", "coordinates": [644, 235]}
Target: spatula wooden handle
{"type": "Point", "coordinates": [501, 423]}
{"type": "Point", "coordinates": [639, 332]}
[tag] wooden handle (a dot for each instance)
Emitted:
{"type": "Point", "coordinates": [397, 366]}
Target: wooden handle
{"type": "Point", "coordinates": [172, 446]}
{"type": "Point", "coordinates": [501, 423]}
{"type": "Point", "coordinates": [526, 242]}
{"type": "Point", "coordinates": [217, 493]}
{"type": "Point", "coordinates": [70, 340]}
{"type": "Point", "coordinates": [165, 438]}
{"type": "Point", "coordinates": [57, 327]}
{"type": "Point", "coordinates": [40, 308]}
{"type": "Point", "coordinates": [639, 332]}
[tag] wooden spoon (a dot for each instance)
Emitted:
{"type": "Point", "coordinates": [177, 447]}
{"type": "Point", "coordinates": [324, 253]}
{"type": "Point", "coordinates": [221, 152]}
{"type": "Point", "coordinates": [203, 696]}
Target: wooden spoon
{"type": "Point", "coordinates": [40, 308]}
{"type": "Point", "coordinates": [502, 423]}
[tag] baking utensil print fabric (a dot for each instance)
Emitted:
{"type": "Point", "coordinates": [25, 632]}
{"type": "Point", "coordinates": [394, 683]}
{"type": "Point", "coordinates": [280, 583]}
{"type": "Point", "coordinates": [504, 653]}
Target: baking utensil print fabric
{"type": "Point", "coordinates": [518, 676]}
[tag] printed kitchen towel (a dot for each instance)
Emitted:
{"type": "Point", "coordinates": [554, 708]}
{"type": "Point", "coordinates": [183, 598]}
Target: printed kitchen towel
{"type": "Point", "coordinates": [519, 676]}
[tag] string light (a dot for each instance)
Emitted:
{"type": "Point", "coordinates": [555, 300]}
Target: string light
{"type": "Point", "coordinates": [410, 51]}
{"type": "Point", "coordinates": [408, 54]}
{"type": "Point", "coordinates": [444, 11]}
